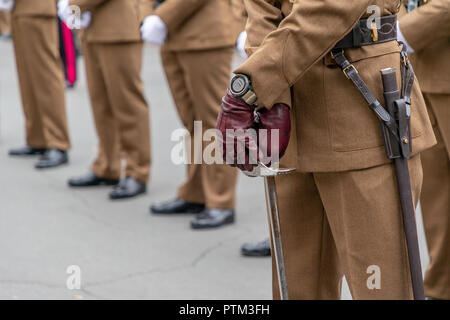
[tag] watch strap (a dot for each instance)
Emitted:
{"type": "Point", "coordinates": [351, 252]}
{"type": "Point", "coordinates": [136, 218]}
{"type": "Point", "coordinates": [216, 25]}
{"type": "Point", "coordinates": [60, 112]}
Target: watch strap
{"type": "Point", "coordinates": [250, 98]}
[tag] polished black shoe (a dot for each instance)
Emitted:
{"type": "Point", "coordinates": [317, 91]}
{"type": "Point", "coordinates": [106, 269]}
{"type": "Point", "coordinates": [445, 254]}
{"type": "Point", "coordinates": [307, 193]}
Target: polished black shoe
{"type": "Point", "coordinates": [176, 206]}
{"type": "Point", "coordinates": [90, 180]}
{"type": "Point", "coordinates": [26, 151]}
{"type": "Point", "coordinates": [128, 188]}
{"type": "Point", "coordinates": [259, 249]}
{"type": "Point", "coordinates": [212, 218]}
{"type": "Point", "coordinates": [52, 158]}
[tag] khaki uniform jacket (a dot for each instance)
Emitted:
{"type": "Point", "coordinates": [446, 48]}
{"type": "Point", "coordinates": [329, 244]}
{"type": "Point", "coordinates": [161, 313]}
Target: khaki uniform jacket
{"type": "Point", "coordinates": [114, 20]}
{"type": "Point", "coordinates": [201, 24]}
{"type": "Point", "coordinates": [289, 43]}
{"type": "Point", "coordinates": [427, 30]}
{"type": "Point", "coordinates": [35, 8]}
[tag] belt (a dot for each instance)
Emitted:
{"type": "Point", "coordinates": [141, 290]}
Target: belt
{"type": "Point", "coordinates": [370, 31]}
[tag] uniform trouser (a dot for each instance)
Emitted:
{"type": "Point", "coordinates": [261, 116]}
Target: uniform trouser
{"type": "Point", "coordinates": [5, 22]}
{"type": "Point", "coordinates": [121, 113]}
{"type": "Point", "coordinates": [198, 80]}
{"type": "Point", "coordinates": [345, 223]}
{"type": "Point", "coordinates": [41, 80]}
{"type": "Point", "coordinates": [435, 199]}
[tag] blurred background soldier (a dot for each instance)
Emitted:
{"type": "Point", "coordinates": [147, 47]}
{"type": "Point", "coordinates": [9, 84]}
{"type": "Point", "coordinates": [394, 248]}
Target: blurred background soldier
{"type": "Point", "coordinates": [256, 249]}
{"type": "Point", "coordinates": [340, 212]}
{"type": "Point", "coordinates": [112, 49]}
{"type": "Point", "coordinates": [426, 30]}
{"type": "Point", "coordinates": [197, 56]}
{"type": "Point", "coordinates": [41, 79]}
{"type": "Point", "coordinates": [5, 23]}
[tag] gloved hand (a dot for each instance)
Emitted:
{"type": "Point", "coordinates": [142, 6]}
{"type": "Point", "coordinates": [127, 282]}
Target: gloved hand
{"type": "Point", "coordinates": [6, 5]}
{"type": "Point", "coordinates": [401, 38]}
{"type": "Point", "coordinates": [276, 118]}
{"type": "Point", "coordinates": [85, 19]}
{"type": "Point", "coordinates": [70, 18]}
{"type": "Point", "coordinates": [235, 114]}
{"type": "Point", "coordinates": [154, 30]}
{"type": "Point", "coordinates": [240, 44]}
{"type": "Point", "coordinates": [63, 9]}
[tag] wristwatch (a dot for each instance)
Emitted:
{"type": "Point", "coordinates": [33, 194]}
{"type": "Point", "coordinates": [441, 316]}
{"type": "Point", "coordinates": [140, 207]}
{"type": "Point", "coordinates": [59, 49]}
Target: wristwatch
{"type": "Point", "coordinates": [241, 88]}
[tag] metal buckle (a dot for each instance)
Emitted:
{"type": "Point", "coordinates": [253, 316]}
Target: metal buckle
{"type": "Point", "coordinates": [374, 31]}
{"type": "Point", "coordinates": [332, 55]}
{"type": "Point", "coordinates": [345, 70]}
{"type": "Point", "coordinates": [405, 60]}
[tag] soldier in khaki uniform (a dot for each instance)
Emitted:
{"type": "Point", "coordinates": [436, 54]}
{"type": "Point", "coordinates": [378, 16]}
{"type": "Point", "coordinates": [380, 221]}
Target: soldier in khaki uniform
{"type": "Point", "coordinates": [197, 57]}
{"type": "Point", "coordinates": [41, 78]}
{"type": "Point", "coordinates": [5, 23]}
{"type": "Point", "coordinates": [427, 32]}
{"type": "Point", "coordinates": [340, 212]}
{"type": "Point", "coordinates": [113, 48]}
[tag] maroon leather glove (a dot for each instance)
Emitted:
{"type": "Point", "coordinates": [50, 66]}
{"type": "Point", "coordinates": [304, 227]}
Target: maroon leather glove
{"type": "Point", "coordinates": [237, 115]}
{"type": "Point", "coordinates": [278, 117]}
{"type": "Point", "coordinates": [234, 115]}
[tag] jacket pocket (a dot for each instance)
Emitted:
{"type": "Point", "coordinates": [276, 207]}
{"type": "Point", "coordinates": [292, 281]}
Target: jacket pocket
{"type": "Point", "coordinates": [353, 126]}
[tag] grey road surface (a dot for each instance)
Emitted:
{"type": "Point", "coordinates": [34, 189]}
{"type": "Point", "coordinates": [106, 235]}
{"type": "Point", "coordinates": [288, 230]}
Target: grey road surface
{"type": "Point", "coordinates": [122, 251]}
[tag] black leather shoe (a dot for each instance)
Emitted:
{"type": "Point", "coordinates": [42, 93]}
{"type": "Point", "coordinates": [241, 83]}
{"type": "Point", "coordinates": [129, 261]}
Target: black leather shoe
{"type": "Point", "coordinates": [176, 206]}
{"type": "Point", "coordinates": [90, 179]}
{"type": "Point", "coordinates": [259, 249]}
{"type": "Point", "coordinates": [128, 188]}
{"type": "Point", "coordinates": [26, 151]}
{"type": "Point", "coordinates": [52, 158]}
{"type": "Point", "coordinates": [212, 218]}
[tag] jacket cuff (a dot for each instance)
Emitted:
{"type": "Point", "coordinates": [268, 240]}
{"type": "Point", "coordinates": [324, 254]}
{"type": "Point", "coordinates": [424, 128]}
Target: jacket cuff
{"type": "Point", "coordinates": [266, 74]}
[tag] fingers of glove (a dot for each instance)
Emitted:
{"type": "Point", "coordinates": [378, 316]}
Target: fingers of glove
{"type": "Point", "coordinates": [232, 104]}
{"type": "Point", "coordinates": [85, 20]}
{"type": "Point", "coordinates": [246, 150]}
{"type": "Point", "coordinates": [247, 165]}
{"type": "Point", "coordinates": [154, 30]}
{"type": "Point", "coordinates": [277, 122]}
{"type": "Point", "coordinates": [239, 140]}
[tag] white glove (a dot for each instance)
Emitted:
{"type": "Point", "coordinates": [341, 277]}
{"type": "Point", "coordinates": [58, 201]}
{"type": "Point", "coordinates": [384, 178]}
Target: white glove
{"type": "Point", "coordinates": [401, 38]}
{"type": "Point", "coordinates": [240, 45]}
{"type": "Point", "coordinates": [154, 30]}
{"type": "Point", "coordinates": [85, 19]}
{"type": "Point", "coordinates": [64, 11]}
{"type": "Point", "coordinates": [6, 5]}
{"type": "Point", "coordinates": [74, 19]}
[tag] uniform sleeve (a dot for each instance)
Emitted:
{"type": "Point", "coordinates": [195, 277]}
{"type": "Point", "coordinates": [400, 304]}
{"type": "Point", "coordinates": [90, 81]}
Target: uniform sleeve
{"type": "Point", "coordinates": [304, 37]}
{"type": "Point", "coordinates": [263, 17]}
{"type": "Point", "coordinates": [175, 12]}
{"type": "Point", "coordinates": [427, 24]}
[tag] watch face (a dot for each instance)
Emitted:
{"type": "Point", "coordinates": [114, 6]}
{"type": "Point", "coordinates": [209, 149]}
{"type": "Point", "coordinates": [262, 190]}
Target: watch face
{"type": "Point", "coordinates": [239, 85]}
